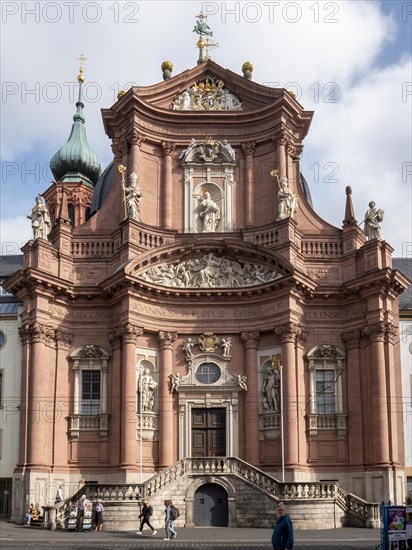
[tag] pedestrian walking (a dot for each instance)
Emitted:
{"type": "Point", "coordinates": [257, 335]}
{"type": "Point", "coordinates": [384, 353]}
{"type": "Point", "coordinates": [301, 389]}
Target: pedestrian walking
{"type": "Point", "coordinates": [146, 513]}
{"type": "Point", "coordinates": [282, 537]}
{"type": "Point", "coordinates": [80, 513]}
{"type": "Point", "coordinates": [98, 515]}
{"type": "Point", "coordinates": [170, 516]}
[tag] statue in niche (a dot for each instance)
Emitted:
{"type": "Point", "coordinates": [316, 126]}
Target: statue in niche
{"type": "Point", "coordinates": [132, 196]}
{"type": "Point", "coordinates": [210, 213]}
{"type": "Point", "coordinates": [226, 344]}
{"type": "Point", "coordinates": [287, 201]}
{"type": "Point", "coordinates": [40, 220]}
{"type": "Point", "coordinates": [242, 381]}
{"type": "Point", "coordinates": [147, 387]}
{"type": "Point", "coordinates": [175, 380]}
{"type": "Point", "coordinates": [372, 218]}
{"type": "Point", "coordinates": [271, 391]}
{"type": "Point", "coordinates": [187, 347]}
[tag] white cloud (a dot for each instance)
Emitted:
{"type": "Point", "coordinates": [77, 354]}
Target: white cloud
{"type": "Point", "coordinates": [15, 232]}
{"type": "Point", "coordinates": [367, 133]}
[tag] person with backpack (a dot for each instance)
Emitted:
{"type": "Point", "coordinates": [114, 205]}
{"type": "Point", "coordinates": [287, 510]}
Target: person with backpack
{"type": "Point", "coordinates": [171, 513]}
{"type": "Point", "coordinates": [145, 514]}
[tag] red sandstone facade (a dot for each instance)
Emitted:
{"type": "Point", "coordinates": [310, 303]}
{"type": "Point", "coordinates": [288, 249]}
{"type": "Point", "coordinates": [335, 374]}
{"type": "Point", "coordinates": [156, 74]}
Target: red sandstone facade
{"type": "Point", "coordinates": [95, 316]}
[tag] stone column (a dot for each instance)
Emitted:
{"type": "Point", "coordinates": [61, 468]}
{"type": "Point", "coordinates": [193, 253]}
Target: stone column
{"type": "Point", "coordinates": [291, 413]}
{"type": "Point", "coordinates": [281, 160]}
{"type": "Point", "coordinates": [301, 396]}
{"type": "Point", "coordinates": [128, 446]}
{"type": "Point", "coordinates": [394, 386]}
{"type": "Point", "coordinates": [379, 403]}
{"type": "Point", "coordinates": [135, 141]}
{"type": "Point", "coordinates": [355, 412]}
{"type": "Point", "coordinates": [115, 399]}
{"type": "Point", "coordinates": [248, 149]}
{"type": "Point", "coordinates": [168, 149]}
{"type": "Point", "coordinates": [250, 343]}
{"type": "Point", "coordinates": [39, 433]}
{"type": "Point", "coordinates": [24, 333]}
{"type": "Point", "coordinates": [166, 432]}
{"type": "Point", "coordinates": [61, 409]}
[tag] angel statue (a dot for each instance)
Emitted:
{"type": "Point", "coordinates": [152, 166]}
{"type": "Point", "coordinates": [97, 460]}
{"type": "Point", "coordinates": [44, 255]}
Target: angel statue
{"type": "Point", "coordinates": [201, 26]}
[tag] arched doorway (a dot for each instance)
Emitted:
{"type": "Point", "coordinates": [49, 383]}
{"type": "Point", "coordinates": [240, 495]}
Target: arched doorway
{"type": "Point", "coordinates": [211, 508]}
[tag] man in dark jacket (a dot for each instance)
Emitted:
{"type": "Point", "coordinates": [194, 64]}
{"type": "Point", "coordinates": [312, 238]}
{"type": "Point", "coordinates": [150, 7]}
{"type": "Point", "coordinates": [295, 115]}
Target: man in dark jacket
{"type": "Point", "coordinates": [146, 512]}
{"type": "Point", "coordinates": [282, 537]}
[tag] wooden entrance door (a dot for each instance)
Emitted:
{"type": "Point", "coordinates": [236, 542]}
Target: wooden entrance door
{"type": "Point", "coordinates": [208, 432]}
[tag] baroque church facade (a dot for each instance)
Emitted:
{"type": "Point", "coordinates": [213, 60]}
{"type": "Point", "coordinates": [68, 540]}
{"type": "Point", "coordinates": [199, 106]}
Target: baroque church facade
{"type": "Point", "coordinates": [188, 309]}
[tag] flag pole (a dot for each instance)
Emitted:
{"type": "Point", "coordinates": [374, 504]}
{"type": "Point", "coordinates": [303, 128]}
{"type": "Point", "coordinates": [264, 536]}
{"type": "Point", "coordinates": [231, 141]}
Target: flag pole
{"type": "Point", "coordinates": [281, 423]}
{"type": "Point", "coordinates": [141, 422]}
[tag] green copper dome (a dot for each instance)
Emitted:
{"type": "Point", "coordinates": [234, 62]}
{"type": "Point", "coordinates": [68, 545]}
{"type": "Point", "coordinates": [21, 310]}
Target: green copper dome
{"type": "Point", "coordinates": [76, 160]}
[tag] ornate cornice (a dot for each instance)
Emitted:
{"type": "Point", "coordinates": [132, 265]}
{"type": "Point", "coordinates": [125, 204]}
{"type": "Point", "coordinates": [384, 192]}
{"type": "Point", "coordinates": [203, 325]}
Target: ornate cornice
{"type": "Point", "coordinates": [166, 339]}
{"type": "Point", "coordinates": [250, 339]}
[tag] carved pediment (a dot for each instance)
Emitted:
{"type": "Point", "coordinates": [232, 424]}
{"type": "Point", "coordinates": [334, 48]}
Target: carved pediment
{"type": "Point", "coordinates": [209, 94]}
{"type": "Point", "coordinates": [209, 271]}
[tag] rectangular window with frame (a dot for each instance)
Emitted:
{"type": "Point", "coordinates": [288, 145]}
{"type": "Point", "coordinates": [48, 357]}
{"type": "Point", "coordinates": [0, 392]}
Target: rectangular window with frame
{"type": "Point", "coordinates": [325, 391]}
{"type": "Point", "coordinates": [90, 392]}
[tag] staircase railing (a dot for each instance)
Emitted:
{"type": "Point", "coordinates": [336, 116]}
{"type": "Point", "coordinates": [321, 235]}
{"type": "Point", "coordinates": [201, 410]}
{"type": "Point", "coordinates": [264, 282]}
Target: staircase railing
{"type": "Point", "coordinates": [358, 511]}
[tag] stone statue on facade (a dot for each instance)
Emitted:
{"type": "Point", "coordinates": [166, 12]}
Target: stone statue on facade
{"type": "Point", "coordinates": [40, 220]}
{"type": "Point", "coordinates": [271, 391]}
{"type": "Point", "coordinates": [147, 388]}
{"type": "Point", "coordinates": [132, 196]}
{"type": "Point", "coordinates": [187, 347]}
{"type": "Point", "coordinates": [175, 380]}
{"type": "Point", "coordinates": [287, 201]}
{"type": "Point", "coordinates": [201, 26]}
{"type": "Point", "coordinates": [242, 381]}
{"type": "Point", "coordinates": [226, 344]}
{"type": "Point", "coordinates": [373, 216]}
{"type": "Point", "coordinates": [210, 213]}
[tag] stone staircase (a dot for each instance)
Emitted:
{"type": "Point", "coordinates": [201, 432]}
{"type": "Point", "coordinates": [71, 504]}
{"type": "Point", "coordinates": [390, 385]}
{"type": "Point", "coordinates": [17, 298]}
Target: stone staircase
{"type": "Point", "coordinates": [252, 497]}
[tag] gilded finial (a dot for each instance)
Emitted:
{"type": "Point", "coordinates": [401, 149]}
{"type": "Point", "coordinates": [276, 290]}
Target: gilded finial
{"type": "Point", "coordinates": [292, 94]}
{"type": "Point", "coordinates": [167, 68]}
{"type": "Point", "coordinates": [120, 94]}
{"type": "Point", "coordinates": [80, 76]}
{"type": "Point", "coordinates": [247, 69]}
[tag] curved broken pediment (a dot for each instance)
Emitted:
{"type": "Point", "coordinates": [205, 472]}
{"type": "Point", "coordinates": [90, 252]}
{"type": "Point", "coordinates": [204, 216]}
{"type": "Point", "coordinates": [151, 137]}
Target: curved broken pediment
{"type": "Point", "coordinates": [209, 271]}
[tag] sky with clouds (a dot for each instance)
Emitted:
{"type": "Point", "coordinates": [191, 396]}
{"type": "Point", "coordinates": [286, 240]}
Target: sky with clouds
{"type": "Point", "coordinates": [349, 61]}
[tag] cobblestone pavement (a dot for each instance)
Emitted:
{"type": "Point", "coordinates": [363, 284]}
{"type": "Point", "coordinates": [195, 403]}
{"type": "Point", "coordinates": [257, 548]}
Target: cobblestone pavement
{"type": "Point", "coordinates": [15, 537]}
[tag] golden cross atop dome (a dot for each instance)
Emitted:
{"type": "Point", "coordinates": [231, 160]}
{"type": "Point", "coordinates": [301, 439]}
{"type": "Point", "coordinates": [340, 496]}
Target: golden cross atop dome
{"type": "Point", "coordinates": [82, 59]}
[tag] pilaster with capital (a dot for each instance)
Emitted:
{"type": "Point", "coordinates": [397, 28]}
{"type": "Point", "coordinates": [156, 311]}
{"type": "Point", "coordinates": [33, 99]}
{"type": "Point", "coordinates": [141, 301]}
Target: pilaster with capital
{"type": "Point", "coordinates": [379, 421]}
{"type": "Point", "coordinates": [250, 343]}
{"type": "Point", "coordinates": [129, 335]}
{"type": "Point", "coordinates": [135, 141]}
{"type": "Point", "coordinates": [394, 388]}
{"type": "Point", "coordinates": [166, 417]}
{"type": "Point", "coordinates": [168, 149]}
{"type": "Point", "coordinates": [294, 417]}
{"type": "Point", "coordinates": [281, 142]}
{"type": "Point", "coordinates": [357, 418]}
{"type": "Point", "coordinates": [249, 149]}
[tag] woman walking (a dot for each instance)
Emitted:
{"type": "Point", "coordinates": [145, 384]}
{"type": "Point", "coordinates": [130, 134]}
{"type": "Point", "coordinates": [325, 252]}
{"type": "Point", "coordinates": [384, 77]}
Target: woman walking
{"type": "Point", "coordinates": [98, 515]}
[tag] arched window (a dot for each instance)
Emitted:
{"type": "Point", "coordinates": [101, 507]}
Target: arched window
{"type": "Point", "coordinates": [87, 213]}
